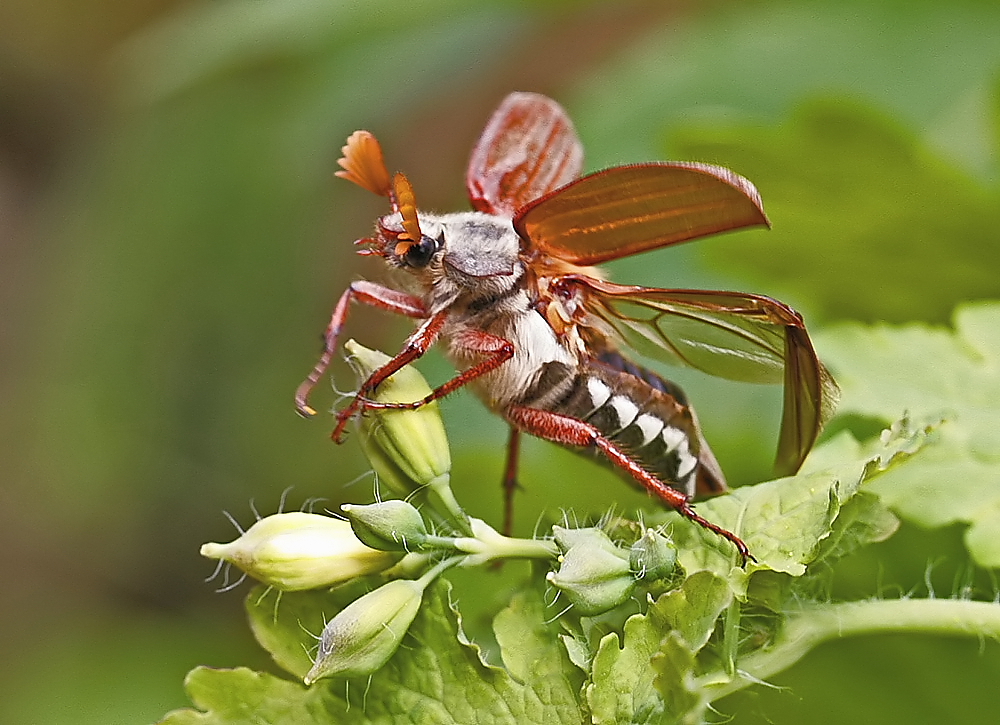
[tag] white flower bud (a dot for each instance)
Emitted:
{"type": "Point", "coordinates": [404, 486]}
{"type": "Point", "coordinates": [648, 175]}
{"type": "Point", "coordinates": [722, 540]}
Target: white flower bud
{"type": "Point", "coordinates": [298, 550]}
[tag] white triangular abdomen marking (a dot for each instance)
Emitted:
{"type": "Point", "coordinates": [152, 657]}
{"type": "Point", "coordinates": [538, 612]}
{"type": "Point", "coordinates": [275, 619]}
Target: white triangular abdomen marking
{"type": "Point", "coordinates": [677, 440]}
{"type": "Point", "coordinates": [625, 409]}
{"type": "Point", "coordinates": [599, 392]}
{"type": "Point", "coordinates": [673, 437]}
{"type": "Point", "coordinates": [650, 426]}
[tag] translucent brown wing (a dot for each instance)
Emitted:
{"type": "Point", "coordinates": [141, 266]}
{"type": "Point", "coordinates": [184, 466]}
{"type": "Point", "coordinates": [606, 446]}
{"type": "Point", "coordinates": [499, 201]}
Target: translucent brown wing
{"type": "Point", "coordinates": [728, 334]}
{"type": "Point", "coordinates": [629, 209]}
{"type": "Point", "coordinates": [529, 148]}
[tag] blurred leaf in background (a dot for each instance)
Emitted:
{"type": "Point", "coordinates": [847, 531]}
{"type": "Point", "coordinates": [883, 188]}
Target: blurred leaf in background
{"type": "Point", "coordinates": [173, 245]}
{"type": "Point", "coordinates": [902, 233]}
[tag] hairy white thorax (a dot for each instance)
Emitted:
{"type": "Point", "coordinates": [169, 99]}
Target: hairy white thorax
{"type": "Point", "coordinates": [535, 343]}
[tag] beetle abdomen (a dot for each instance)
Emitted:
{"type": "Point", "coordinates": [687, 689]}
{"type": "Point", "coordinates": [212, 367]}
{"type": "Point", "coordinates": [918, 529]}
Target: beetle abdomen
{"type": "Point", "coordinates": [647, 416]}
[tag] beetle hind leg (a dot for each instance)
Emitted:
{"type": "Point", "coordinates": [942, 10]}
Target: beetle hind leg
{"type": "Point", "coordinates": [571, 431]}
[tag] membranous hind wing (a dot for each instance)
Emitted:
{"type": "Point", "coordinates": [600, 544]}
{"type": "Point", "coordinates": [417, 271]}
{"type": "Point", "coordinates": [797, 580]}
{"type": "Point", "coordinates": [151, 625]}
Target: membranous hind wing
{"type": "Point", "coordinates": [528, 149]}
{"type": "Point", "coordinates": [732, 335]}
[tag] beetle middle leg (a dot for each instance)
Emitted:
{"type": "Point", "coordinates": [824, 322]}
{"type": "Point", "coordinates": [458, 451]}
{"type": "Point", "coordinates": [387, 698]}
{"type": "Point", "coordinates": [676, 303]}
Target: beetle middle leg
{"type": "Point", "coordinates": [371, 294]}
{"type": "Point", "coordinates": [510, 484]}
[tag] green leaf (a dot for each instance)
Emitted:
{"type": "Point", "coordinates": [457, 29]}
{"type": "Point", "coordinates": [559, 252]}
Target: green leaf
{"type": "Point", "coordinates": [442, 678]}
{"type": "Point", "coordinates": [933, 373]}
{"type": "Point", "coordinates": [863, 520]}
{"type": "Point", "coordinates": [228, 697]}
{"type": "Point", "coordinates": [536, 657]}
{"type": "Point", "coordinates": [621, 688]}
{"type": "Point", "coordinates": [436, 676]}
{"type": "Point", "coordinates": [647, 674]}
{"type": "Point", "coordinates": [674, 665]}
{"type": "Point", "coordinates": [692, 609]}
{"type": "Point", "coordinates": [783, 522]}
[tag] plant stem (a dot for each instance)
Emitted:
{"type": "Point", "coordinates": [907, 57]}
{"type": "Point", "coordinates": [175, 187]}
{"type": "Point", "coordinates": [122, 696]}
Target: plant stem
{"type": "Point", "coordinates": [488, 545]}
{"type": "Point", "coordinates": [805, 630]}
{"type": "Point", "coordinates": [443, 500]}
{"type": "Point", "coordinates": [506, 548]}
{"type": "Point", "coordinates": [435, 571]}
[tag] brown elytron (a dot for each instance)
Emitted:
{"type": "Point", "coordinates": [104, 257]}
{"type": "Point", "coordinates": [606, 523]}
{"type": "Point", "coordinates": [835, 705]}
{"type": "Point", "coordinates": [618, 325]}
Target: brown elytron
{"type": "Point", "coordinates": [539, 333]}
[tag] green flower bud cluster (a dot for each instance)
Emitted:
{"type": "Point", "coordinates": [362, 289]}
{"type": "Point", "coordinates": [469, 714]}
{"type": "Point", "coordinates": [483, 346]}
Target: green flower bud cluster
{"type": "Point", "coordinates": [365, 634]}
{"type": "Point", "coordinates": [596, 575]}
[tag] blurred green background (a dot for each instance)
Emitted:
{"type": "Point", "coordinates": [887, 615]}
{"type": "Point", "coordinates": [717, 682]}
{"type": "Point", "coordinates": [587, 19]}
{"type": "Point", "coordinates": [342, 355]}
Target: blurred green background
{"type": "Point", "coordinates": [173, 242]}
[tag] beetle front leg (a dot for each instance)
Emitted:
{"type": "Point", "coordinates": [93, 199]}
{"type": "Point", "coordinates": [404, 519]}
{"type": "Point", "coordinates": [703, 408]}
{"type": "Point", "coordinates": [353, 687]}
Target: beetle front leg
{"type": "Point", "coordinates": [570, 431]}
{"type": "Point", "coordinates": [498, 350]}
{"type": "Point", "coordinates": [417, 344]}
{"type": "Point", "coordinates": [370, 294]}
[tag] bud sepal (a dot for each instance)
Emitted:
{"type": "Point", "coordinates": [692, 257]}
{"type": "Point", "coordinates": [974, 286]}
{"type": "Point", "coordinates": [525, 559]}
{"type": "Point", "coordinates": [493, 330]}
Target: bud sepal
{"type": "Point", "coordinates": [653, 556]}
{"type": "Point", "coordinates": [387, 525]}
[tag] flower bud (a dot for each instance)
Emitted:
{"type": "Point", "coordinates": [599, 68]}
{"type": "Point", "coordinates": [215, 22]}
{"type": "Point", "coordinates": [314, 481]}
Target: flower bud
{"type": "Point", "coordinates": [413, 440]}
{"type": "Point", "coordinates": [391, 477]}
{"type": "Point", "coordinates": [387, 525]}
{"type": "Point", "coordinates": [367, 632]}
{"type": "Point", "coordinates": [589, 536]}
{"type": "Point", "coordinates": [653, 556]}
{"type": "Point", "coordinates": [594, 574]}
{"type": "Point", "coordinates": [298, 550]}
{"type": "Point", "coordinates": [407, 448]}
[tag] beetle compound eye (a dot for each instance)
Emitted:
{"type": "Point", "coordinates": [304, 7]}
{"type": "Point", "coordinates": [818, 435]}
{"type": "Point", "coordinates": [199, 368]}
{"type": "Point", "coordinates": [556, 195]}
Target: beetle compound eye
{"type": "Point", "coordinates": [419, 254]}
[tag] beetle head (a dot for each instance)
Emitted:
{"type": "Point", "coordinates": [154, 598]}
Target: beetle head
{"type": "Point", "coordinates": [459, 249]}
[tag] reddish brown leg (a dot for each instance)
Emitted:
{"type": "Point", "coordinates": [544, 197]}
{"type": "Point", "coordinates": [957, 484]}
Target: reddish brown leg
{"type": "Point", "coordinates": [498, 349]}
{"type": "Point", "coordinates": [416, 345]}
{"type": "Point", "coordinates": [370, 294]}
{"type": "Point", "coordinates": [573, 432]}
{"type": "Point", "coordinates": [510, 484]}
